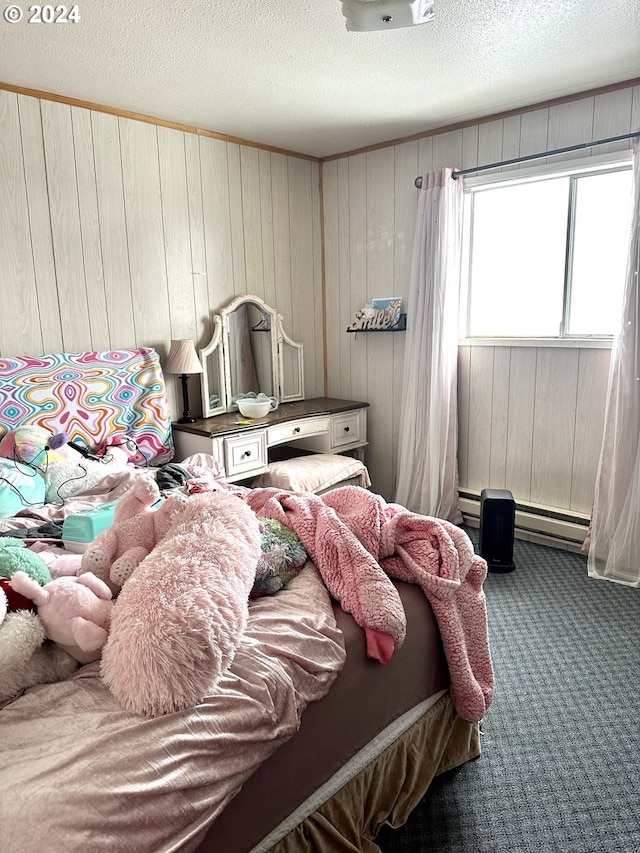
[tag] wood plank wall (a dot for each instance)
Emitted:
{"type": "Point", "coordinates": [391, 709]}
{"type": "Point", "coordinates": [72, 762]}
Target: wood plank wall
{"type": "Point", "coordinates": [116, 233]}
{"type": "Point", "coordinates": [530, 419]}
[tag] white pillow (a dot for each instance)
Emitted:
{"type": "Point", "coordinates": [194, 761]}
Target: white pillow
{"type": "Point", "coordinates": [313, 473]}
{"type": "Point", "coordinates": [66, 479]}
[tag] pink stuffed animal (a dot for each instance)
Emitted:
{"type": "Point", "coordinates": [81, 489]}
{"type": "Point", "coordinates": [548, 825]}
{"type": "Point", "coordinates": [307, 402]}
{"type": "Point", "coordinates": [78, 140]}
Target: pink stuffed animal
{"type": "Point", "coordinates": [119, 450]}
{"type": "Point", "coordinates": [59, 564]}
{"type": "Point", "coordinates": [75, 612]}
{"type": "Point", "coordinates": [136, 530]}
{"type": "Point", "coordinates": [180, 619]}
{"type": "Point", "coordinates": [26, 658]}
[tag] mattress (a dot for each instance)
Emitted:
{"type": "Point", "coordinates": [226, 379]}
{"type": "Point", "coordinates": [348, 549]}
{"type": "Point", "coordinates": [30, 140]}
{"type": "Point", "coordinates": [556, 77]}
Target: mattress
{"type": "Point", "coordinates": [86, 775]}
{"type": "Point", "coordinates": [365, 699]}
{"type": "Point", "coordinates": [388, 788]}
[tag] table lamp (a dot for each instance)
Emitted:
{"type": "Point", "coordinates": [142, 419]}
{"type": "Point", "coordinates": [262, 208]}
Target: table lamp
{"type": "Point", "coordinates": [183, 360]}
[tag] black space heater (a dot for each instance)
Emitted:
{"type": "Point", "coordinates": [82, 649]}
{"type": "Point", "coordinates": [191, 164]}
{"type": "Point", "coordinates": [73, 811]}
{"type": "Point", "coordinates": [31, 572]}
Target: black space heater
{"type": "Point", "coordinates": [497, 529]}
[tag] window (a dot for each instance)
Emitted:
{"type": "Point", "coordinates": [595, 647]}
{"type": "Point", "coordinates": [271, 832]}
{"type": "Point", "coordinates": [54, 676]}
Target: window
{"type": "Point", "coordinates": [547, 254]}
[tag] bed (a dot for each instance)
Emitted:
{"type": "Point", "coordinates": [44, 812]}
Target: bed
{"type": "Point", "coordinates": [337, 707]}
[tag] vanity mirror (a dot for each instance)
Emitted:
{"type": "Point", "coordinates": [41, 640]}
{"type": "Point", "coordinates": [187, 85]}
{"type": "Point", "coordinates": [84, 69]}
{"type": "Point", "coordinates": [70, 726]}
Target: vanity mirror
{"type": "Point", "coordinates": [214, 400]}
{"type": "Point", "coordinates": [249, 352]}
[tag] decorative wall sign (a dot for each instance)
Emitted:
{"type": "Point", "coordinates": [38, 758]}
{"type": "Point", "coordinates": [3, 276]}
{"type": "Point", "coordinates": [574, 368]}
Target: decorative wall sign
{"type": "Point", "coordinates": [382, 315]}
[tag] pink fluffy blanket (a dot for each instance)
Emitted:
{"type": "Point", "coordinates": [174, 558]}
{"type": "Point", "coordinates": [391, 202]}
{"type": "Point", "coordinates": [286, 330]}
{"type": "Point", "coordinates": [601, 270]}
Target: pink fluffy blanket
{"type": "Point", "coordinates": [357, 541]}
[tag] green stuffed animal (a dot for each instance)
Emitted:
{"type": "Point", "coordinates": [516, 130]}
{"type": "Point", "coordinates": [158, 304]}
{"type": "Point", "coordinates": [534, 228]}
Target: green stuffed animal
{"type": "Point", "coordinates": [16, 557]}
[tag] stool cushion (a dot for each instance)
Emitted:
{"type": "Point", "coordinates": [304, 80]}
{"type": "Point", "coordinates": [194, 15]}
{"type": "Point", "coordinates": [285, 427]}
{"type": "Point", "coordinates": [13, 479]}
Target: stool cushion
{"type": "Point", "coordinates": [313, 473]}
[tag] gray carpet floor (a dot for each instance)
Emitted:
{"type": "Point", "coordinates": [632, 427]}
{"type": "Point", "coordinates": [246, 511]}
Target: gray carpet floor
{"type": "Point", "coordinates": [560, 764]}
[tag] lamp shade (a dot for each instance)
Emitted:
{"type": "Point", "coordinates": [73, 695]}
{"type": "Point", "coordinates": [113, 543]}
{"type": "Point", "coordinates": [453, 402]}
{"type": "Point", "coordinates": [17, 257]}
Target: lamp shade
{"type": "Point", "coordinates": [183, 358]}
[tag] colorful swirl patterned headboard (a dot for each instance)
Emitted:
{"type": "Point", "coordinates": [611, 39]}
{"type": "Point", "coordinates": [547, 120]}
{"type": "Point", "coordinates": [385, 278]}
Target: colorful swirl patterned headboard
{"type": "Point", "coordinates": [92, 396]}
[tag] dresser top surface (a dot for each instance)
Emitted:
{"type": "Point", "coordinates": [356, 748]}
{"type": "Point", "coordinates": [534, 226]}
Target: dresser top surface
{"type": "Point", "coordinates": [235, 422]}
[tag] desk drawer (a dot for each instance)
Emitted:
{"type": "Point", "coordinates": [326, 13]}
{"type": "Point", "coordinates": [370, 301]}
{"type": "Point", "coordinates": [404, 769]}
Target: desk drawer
{"type": "Point", "coordinates": [187, 443]}
{"type": "Point", "coordinates": [245, 455]}
{"type": "Point", "coordinates": [297, 429]}
{"type": "Point", "coordinates": [347, 429]}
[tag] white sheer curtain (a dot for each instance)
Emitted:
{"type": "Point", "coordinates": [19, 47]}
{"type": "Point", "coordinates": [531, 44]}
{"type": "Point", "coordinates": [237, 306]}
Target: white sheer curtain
{"type": "Point", "coordinates": [614, 551]}
{"type": "Point", "coordinates": [427, 480]}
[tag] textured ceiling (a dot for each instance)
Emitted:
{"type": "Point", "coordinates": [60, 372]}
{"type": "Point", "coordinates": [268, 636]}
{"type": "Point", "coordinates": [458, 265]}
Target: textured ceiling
{"type": "Point", "coordinates": [288, 74]}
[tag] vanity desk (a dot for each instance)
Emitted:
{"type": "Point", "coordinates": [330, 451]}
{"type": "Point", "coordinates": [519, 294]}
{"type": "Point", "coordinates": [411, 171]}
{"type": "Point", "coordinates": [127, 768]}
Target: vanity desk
{"type": "Point", "coordinates": [319, 425]}
{"type": "Point", "coordinates": [250, 352]}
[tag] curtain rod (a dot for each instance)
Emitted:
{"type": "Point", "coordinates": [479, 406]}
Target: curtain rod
{"type": "Point", "coordinates": [474, 169]}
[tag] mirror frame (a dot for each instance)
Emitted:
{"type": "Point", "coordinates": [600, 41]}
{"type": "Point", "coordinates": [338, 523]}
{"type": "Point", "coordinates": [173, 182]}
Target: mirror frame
{"type": "Point", "coordinates": [225, 313]}
{"type": "Point", "coordinates": [283, 337]}
{"type": "Point", "coordinates": [214, 343]}
{"type": "Point", "coordinates": [220, 339]}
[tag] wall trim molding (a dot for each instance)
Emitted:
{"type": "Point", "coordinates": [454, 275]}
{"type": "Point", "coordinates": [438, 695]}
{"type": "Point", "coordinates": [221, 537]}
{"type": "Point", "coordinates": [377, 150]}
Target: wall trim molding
{"type": "Point", "coordinates": [323, 283]}
{"type": "Point", "coordinates": [173, 125]}
{"type": "Point", "coordinates": [436, 131]}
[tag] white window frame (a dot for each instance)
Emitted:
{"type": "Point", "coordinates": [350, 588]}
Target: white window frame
{"type": "Point", "coordinates": [585, 165]}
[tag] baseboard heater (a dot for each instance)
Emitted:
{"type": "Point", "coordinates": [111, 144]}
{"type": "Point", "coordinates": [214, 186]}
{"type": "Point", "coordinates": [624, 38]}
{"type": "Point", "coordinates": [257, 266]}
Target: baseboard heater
{"type": "Point", "coordinates": [554, 525]}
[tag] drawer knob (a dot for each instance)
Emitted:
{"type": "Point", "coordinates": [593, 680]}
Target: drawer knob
{"type": "Point", "coordinates": [247, 453]}
{"type": "Point", "coordinates": [346, 429]}
{"type": "Point", "coordinates": [296, 429]}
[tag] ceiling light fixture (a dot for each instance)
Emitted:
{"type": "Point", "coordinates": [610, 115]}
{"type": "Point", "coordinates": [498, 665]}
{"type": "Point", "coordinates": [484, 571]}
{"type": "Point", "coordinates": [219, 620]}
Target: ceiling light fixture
{"type": "Point", "coordinates": [367, 15]}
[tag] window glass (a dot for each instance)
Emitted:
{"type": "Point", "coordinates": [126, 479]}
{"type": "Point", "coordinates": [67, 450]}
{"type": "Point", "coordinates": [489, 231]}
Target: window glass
{"type": "Point", "coordinates": [516, 288]}
{"type": "Point", "coordinates": [547, 257]}
{"type": "Point", "coordinates": [600, 243]}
